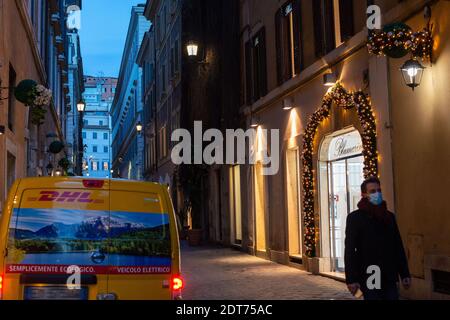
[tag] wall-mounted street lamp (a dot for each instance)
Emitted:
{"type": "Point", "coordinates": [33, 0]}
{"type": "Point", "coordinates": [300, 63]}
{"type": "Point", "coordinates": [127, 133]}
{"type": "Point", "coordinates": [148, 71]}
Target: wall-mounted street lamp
{"type": "Point", "coordinates": [412, 72]}
{"type": "Point", "coordinates": [139, 127]}
{"type": "Point", "coordinates": [192, 49]}
{"type": "Point", "coordinates": [81, 106]}
{"type": "Point", "coordinates": [329, 79]}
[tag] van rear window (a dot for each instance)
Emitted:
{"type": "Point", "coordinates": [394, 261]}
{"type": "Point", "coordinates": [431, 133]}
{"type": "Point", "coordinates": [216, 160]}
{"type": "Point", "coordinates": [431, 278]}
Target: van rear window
{"type": "Point", "coordinates": [50, 240]}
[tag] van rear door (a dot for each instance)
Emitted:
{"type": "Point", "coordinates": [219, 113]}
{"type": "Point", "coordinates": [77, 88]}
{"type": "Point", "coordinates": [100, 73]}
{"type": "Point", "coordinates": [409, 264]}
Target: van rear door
{"type": "Point", "coordinates": [140, 245]}
{"type": "Point", "coordinates": [51, 230]}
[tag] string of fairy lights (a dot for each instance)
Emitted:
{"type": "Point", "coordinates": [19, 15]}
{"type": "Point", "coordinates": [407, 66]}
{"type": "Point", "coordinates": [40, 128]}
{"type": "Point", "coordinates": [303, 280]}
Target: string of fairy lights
{"type": "Point", "coordinates": [401, 38]}
{"type": "Point", "coordinates": [347, 100]}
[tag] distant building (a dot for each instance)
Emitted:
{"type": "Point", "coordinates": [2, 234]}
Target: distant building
{"type": "Point", "coordinates": [126, 111]}
{"type": "Point", "coordinates": [76, 88]}
{"type": "Point", "coordinates": [96, 134]}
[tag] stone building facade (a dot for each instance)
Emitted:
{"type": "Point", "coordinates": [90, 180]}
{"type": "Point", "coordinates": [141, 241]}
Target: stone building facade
{"type": "Point", "coordinates": [297, 217]}
{"type": "Point", "coordinates": [33, 45]}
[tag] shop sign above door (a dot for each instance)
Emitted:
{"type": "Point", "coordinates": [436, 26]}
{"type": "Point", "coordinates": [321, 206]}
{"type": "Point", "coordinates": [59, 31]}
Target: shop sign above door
{"type": "Point", "coordinates": [345, 145]}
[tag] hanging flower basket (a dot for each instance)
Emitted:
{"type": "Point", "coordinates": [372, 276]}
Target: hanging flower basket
{"type": "Point", "coordinates": [37, 115]}
{"type": "Point", "coordinates": [65, 164]}
{"type": "Point", "coordinates": [56, 147]}
{"type": "Point", "coordinates": [25, 91]}
{"type": "Point", "coordinates": [32, 94]}
{"type": "Point", "coordinates": [35, 96]}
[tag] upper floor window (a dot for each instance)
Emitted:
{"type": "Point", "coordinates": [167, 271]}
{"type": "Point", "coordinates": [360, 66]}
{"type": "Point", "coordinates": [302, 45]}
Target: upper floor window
{"type": "Point", "coordinates": [105, 136]}
{"type": "Point", "coordinates": [94, 135]}
{"type": "Point", "coordinates": [163, 142]}
{"type": "Point", "coordinates": [11, 99]}
{"type": "Point", "coordinates": [288, 39]}
{"type": "Point", "coordinates": [256, 67]}
{"type": "Point", "coordinates": [333, 24]}
{"type": "Point", "coordinates": [163, 78]}
{"type": "Point", "coordinates": [174, 59]}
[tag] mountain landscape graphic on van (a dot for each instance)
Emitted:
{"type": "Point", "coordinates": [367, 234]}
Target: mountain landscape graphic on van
{"type": "Point", "coordinates": [93, 228]}
{"type": "Point", "coordinates": [71, 237]}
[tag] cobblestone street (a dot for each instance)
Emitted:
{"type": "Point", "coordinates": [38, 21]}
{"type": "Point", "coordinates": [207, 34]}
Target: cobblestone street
{"type": "Point", "coordinates": [222, 273]}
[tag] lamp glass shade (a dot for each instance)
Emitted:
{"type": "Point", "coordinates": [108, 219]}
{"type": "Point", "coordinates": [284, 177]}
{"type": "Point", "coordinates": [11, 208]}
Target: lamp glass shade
{"type": "Point", "coordinates": [81, 106]}
{"type": "Point", "coordinates": [412, 72]}
{"type": "Point", "coordinates": [139, 127]}
{"type": "Point", "coordinates": [192, 49]}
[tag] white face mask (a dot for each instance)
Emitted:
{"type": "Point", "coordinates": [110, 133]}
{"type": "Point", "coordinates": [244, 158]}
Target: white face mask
{"type": "Point", "coordinates": [376, 198]}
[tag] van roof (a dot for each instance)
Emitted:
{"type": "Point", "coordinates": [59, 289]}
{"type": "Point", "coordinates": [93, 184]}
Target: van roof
{"type": "Point", "coordinates": [78, 183]}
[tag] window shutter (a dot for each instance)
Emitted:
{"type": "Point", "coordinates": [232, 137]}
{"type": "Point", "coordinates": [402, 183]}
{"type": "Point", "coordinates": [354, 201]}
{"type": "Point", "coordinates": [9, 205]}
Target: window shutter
{"type": "Point", "coordinates": [248, 72]}
{"type": "Point", "coordinates": [298, 52]}
{"type": "Point", "coordinates": [262, 65]}
{"type": "Point", "coordinates": [347, 19]}
{"type": "Point", "coordinates": [318, 28]}
{"type": "Point", "coordinates": [328, 14]}
{"type": "Point", "coordinates": [279, 46]}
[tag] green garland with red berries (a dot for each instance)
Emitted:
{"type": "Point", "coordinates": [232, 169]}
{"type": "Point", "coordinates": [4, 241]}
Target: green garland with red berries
{"type": "Point", "coordinates": [346, 100]}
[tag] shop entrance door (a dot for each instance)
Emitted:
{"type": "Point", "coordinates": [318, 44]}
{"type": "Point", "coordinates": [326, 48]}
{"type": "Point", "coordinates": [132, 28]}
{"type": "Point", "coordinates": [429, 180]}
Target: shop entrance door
{"type": "Point", "coordinates": [345, 178]}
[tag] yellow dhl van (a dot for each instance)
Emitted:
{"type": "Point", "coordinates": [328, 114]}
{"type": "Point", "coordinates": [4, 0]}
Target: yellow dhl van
{"type": "Point", "coordinates": [74, 238]}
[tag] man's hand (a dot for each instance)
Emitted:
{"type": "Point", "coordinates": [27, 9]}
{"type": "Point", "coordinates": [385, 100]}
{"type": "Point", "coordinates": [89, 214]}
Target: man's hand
{"type": "Point", "coordinates": [406, 283]}
{"type": "Point", "coordinates": [353, 288]}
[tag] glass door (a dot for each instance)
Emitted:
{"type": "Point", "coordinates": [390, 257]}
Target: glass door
{"type": "Point", "coordinates": [345, 177]}
{"type": "Point", "coordinates": [338, 212]}
{"type": "Point", "coordinates": [355, 178]}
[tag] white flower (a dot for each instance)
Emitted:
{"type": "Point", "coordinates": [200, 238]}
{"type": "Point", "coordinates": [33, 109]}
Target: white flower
{"type": "Point", "coordinates": [43, 96]}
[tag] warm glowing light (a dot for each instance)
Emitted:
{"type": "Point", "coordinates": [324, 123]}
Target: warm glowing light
{"type": "Point", "coordinates": [254, 122]}
{"type": "Point", "coordinates": [412, 72]}
{"type": "Point", "coordinates": [329, 79]}
{"type": "Point", "coordinates": [288, 104]}
{"type": "Point", "coordinates": [81, 106]}
{"type": "Point", "coordinates": [192, 49]}
{"type": "Point", "coordinates": [177, 283]}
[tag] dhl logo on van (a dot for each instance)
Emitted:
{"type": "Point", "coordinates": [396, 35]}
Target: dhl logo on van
{"type": "Point", "coordinates": [66, 196]}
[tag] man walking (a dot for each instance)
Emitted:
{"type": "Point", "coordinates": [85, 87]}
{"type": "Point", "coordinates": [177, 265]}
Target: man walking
{"type": "Point", "coordinates": [372, 244]}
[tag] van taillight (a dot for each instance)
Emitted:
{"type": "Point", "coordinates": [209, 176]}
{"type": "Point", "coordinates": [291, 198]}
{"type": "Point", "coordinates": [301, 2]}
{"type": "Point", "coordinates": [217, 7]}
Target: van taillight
{"type": "Point", "coordinates": [93, 183]}
{"type": "Point", "coordinates": [177, 283]}
{"type": "Point", "coordinates": [1, 287]}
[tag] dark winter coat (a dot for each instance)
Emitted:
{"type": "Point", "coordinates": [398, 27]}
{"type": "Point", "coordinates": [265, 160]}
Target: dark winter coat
{"type": "Point", "coordinates": [371, 242]}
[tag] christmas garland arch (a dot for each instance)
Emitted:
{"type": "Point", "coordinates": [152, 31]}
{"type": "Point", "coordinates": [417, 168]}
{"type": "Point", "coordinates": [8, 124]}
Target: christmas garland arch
{"type": "Point", "coordinates": [346, 100]}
